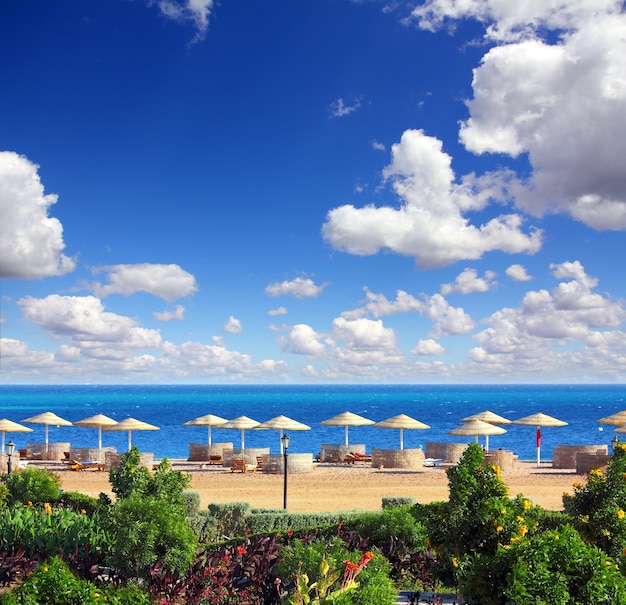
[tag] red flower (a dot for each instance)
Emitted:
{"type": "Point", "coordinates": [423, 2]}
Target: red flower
{"type": "Point", "coordinates": [241, 550]}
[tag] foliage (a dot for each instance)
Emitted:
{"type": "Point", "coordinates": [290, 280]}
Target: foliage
{"type": "Point", "coordinates": [239, 573]}
{"type": "Point", "coordinates": [599, 507]}
{"type": "Point", "coordinates": [554, 567]}
{"type": "Point", "coordinates": [45, 531]}
{"type": "Point", "coordinates": [230, 518]}
{"type": "Point", "coordinates": [4, 494]}
{"type": "Point", "coordinates": [79, 503]}
{"type": "Point", "coordinates": [143, 530]}
{"type": "Point", "coordinates": [398, 501]}
{"type": "Point", "coordinates": [52, 583]}
{"type": "Point", "coordinates": [302, 568]}
{"type": "Point", "coordinates": [35, 485]}
{"type": "Point", "coordinates": [132, 478]}
{"type": "Point", "coordinates": [191, 501]}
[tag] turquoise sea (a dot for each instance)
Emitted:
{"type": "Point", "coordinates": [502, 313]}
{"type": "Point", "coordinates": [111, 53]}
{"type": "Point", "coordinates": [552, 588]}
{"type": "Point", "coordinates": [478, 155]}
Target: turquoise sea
{"type": "Point", "coordinates": [440, 406]}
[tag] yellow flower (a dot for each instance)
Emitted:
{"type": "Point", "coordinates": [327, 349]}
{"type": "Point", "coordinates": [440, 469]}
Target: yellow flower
{"type": "Point", "coordinates": [584, 519]}
{"type": "Point", "coordinates": [526, 504]}
{"type": "Point", "coordinates": [47, 508]}
{"type": "Point", "coordinates": [608, 563]}
{"type": "Point", "coordinates": [514, 539]}
{"type": "Point", "coordinates": [30, 504]}
{"type": "Point", "coordinates": [578, 485]}
{"type": "Point", "coordinates": [45, 569]}
{"type": "Point", "coordinates": [520, 519]}
{"type": "Point", "coordinates": [503, 511]}
{"type": "Point", "coordinates": [606, 532]}
{"type": "Point", "coordinates": [620, 513]}
{"type": "Point", "coordinates": [455, 563]}
{"type": "Point", "coordinates": [499, 528]}
{"type": "Point", "coordinates": [556, 536]}
{"type": "Point", "coordinates": [523, 530]}
{"type": "Point", "coordinates": [506, 546]}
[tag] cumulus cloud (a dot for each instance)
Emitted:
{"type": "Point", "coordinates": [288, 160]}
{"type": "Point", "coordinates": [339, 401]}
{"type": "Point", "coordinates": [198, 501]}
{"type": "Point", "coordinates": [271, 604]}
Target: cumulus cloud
{"type": "Point", "coordinates": [429, 224]}
{"type": "Point", "coordinates": [339, 109]}
{"type": "Point", "coordinates": [506, 21]}
{"type": "Point", "coordinates": [31, 242]}
{"type": "Point", "coordinates": [378, 146]}
{"type": "Point", "coordinates": [168, 282]}
{"type": "Point", "coordinates": [518, 273]}
{"type": "Point", "coordinates": [298, 288]}
{"type": "Point", "coordinates": [84, 321]}
{"type": "Point", "coordinates": [196, 12]}
{"type": "Point", "coordinates": [559, 102]}
{"type": "Point", "coordinates": [363, 333]}
{"type": "Point", "coordinates": [468, 282]}
{"type": "Point", "coordinates": [232, 326]}
{"type": "Point", "coordinates": [428, 347]}
{"type": "Point", "coordinates": [177, 315]}
{"type": "Point", "coordinates": [278, 311]}
{"type": "Point", "coordinates": [302, 339]}
{"type": "Point", "coordinates": [570, 312]}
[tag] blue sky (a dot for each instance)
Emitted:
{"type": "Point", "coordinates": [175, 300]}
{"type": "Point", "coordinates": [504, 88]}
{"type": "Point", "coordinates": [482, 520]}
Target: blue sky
{"type": "Point", "coordinates": [312, 191]}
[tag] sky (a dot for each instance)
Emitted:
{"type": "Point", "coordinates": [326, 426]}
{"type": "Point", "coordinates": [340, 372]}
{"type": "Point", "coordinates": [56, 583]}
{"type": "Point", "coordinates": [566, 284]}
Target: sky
{"type": "Point", "coordinates": [312, 191]}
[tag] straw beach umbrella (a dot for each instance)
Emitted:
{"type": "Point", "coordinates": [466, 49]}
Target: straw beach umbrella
{"type": "Point", "coordinates": [207, 420]}
{"type": "Point", "coordinates": [401, 421]}
{"type": "Point", "coordinates": [8, 426]}
{"type": "Point", "coordinates": [130, 425]}
{"type": "Point", "coordinates": [48, 418]}
{"type": "Point", "coordinates": [99, 421]}
{"type": "Point", "coordinates": [618, 418]}
{"type": "Point", "coordinates": [475, 428]}
{"type": "Point", "coordinates": [282, 423]}
{"type": "Point", "coordinates": [489, 417]}
{"type": "Point", "coordinates": [539, 420]}
{"type": "Point", "coordinates": [242, 423]}
{"type": "Point", "coordinates": [347, 419]}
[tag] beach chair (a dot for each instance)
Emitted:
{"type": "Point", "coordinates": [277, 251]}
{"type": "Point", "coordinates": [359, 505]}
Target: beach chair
{"type": "Point", "coordinates": [77, 465]}
{"type": "Point", "coordinates": [259, 463]}
{"type": "Point", "coordinates": [238, 466]}
{"type": "Point", "coordinates": [215, 459]}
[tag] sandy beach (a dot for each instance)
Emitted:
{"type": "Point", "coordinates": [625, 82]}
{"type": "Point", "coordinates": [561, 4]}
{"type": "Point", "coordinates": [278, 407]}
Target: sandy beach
{"type": "Point", "coordinates": [337, 487]}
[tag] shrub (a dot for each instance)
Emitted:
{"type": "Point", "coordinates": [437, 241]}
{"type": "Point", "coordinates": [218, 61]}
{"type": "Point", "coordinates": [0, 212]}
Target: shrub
{"type": "Point", "coordinates": [78, 502]}
{"type": "Point", "coordinates": [598, 508]}
{"type": "Point", "coordinates": [389, 501]}
{"type": "Point", "coordinates": [35, 485]}
{"type": "Point", "coordinates": [230, 518]}
{"type": "Point", "coordinates": [52, 583]}
{"type": "Point", "coordinates": [191, 501]}
{"type": "Point", "coordinates": [302, 566]}
{"type": "Point", "coordinates": [204, 526]}
{"type": "Point", "coordinates": [144, 530]}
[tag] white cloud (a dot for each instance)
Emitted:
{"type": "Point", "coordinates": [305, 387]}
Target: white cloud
{"type": "Point", "coordinates": [232, 326]}
{"type": "Point", "coordinates": [339, 109]}
{"type": "Point", "coordinates": [168, 282]}
{"type": "Point", "coordinates": [302, 340]}
{"type": "Point", "coordinates": [378, 146]}
{"type": "Point", "coordinates": [518, 273]}
{"type": "Point", "coordinates": [570, 313]}
{"type": "Point", "coordinates": [429, 225]}
{"type": "Point", "coordinates": [194, 11]}
{"type": "Point", "coordinates": [83, 320]}
{"type": "Point", "coordinates": [278, 311]}
{"type": "Point", "coordinates": [31, 242]}
{"type": "Point", "coordinates": [507, 21]}
{"type": "Point", "coordinates": [363, 334]}
{"type": "Point", "coordinates": [177, 315]}
{"type": "Point", "coordinates": [428, 347]}
{"type": "Point", "coordinates": [298, 288]}
{"type": "Point", "coordinates": [468, 282]}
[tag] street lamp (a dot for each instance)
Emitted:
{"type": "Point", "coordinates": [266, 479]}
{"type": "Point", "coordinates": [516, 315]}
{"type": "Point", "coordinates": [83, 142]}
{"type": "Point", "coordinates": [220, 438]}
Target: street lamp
{"type": "Point", "coordinates": [285, 439]}
{"type": "Point", "coordinates": [10, 450]}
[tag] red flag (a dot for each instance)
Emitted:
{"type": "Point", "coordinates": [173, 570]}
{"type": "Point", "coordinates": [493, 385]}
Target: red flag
{"type": "Point", "coordinates": [538, 436]}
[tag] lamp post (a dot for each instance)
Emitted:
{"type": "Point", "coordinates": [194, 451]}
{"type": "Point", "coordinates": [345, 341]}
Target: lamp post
{"type": "Point", "coordinates": [10, 450]}
{"type": "Point", "coordinates": [285, 439]}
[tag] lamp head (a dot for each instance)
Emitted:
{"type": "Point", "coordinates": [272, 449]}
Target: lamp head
{"type": "Point", "coordinates": [285, 439]}
{"type": "Point", "coordinates": [10, 448]}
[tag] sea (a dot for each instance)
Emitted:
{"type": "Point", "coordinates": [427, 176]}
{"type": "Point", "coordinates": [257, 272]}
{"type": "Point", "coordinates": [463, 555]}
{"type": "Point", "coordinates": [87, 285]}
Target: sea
{"type": "Point", "coordinates": [440, 406]}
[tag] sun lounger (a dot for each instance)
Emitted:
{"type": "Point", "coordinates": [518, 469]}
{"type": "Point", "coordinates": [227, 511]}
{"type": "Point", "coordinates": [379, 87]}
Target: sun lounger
{"type": "Point", "coordinates": [432, 461]}
{"type": "Point", "coordinates": [353, 457]}
{"type": "Point", "coordinates": [78, 465]}
{"type": "Point", "coordinates": [240, 466]}
{"type": "Point", "coordinates": [215, 459]}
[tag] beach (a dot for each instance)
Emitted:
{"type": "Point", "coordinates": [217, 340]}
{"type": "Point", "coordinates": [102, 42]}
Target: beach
{"type": "Point", "coordinates": [337, 487]}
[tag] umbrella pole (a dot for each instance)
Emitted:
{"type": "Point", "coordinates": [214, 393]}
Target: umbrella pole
{"type": "Point", "coordinates": [401, 440]}
{"type": "Point", "coordinates": [3, 442]}
{"type": "Point", "coordinates": [346, 427]}
{"type": "Point", "coordinates": [209, 438]}
{"type": "Point", "coordinates": [281, 441]}
{"type": "Point", "coordinates": [129, 440]}
{"type": "Point", "coordinates": [99, 437]}
{"type": "Point", "coordinates": [46, 439]}
{"type": "Point", "coordinates": [243, 444]}
{"type": "Point", "coordinates": [486, 443]}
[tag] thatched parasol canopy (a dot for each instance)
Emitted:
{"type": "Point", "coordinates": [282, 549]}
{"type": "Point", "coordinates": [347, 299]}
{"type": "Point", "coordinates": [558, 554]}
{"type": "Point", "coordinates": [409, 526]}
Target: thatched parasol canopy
{"type": "Point", "coordinates": [539, 419]}
{"type": "Point", "coordinates": [130, 425]}
{"type": "Point", "coordinates": [207, 420]}
{"type": "Point", "coordinates": [99, 421]}
{"type": "Point", "coordinates": [347, 419]}
{"type": "Point", "coordinates": [8, 426]}
{"type": "Point", "coordinates": [48, 418]}
{"type": "Point", "coordinates": [282, 423]}
{"type": "Point", "coordinates": [242, 423]}
{"type": "Point", "coordinates": [401, 421]}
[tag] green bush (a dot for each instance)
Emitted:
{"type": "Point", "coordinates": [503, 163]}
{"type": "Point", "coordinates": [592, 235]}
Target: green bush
{"type": "Point", "coordinates": [34, 485]}
{"type": "Point", "coordinates": [230, 518]}
{"type": "Point", "coordinates": [52, 583]}
{"type": "Point", "coordinates": [598, 508]}
{"type": "Point", "coordinates": [306, 565]}
{"type": "Point", "coordinates": [144, 530]}
{"type": "Point", "coordinates": [204, 526]}
{"type": "Point", "coordinates": [389, 501]}
{"type": "Point", "coordinates": [554, 567]}
{"type": "Point", "coordinates": [192, 503]}
{"type": "Point", "coordinates": [78, 502]}
{"type": "Point", "coordinates": [394, 524]}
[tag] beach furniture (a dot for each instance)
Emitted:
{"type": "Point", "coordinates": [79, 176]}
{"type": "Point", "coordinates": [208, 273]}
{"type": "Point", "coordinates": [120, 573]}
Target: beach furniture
{"type": "Point", "coordinates": [432, 461]}
{"type": "Point", "coordinates": [354, 457]}
{"type": "Point", "coordinates": [82, 465]}
{"type": "Point", "coordinates": [239, 466]}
